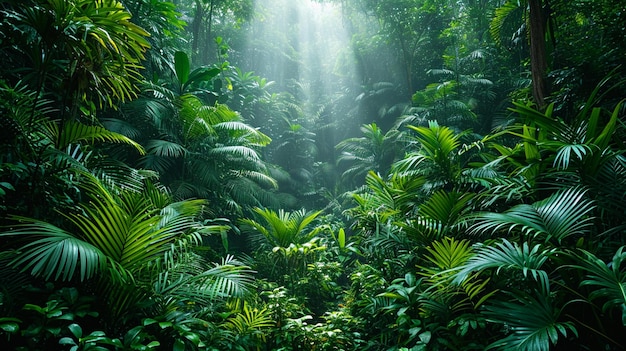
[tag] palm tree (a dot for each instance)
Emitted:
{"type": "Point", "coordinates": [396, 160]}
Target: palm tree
{"type": "Point", "coordinates": [133, 247]}
{"type": "Point", "coordinates": [200, 150]}
{"type": "Point", "coordinates": [562, 151]}
{"type": "Point", "coordinates": [51, 156]}
{"type": "Point", "coordinates": [287, 241]}
{"type": "Point", "coordinates": [101, 51]}
{"type": "Point", "coordinates": [436, 158]}
{"type": "Point", "coordinates": [67, 59]}
{"type": "Point", "coordinates": [537, 265]}
{"type": "Point", "coordinates": [374, 151]}
{"type": "Point", "coordinates": [282, 228]}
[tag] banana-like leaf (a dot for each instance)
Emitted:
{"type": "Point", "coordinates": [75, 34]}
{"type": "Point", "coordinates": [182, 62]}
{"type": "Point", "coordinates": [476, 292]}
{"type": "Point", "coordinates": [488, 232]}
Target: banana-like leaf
{"type": "Point", "coordinates": [181, 67]}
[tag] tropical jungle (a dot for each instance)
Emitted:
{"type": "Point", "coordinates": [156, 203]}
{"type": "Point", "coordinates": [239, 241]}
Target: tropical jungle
{"type": "Point", "coordinates": [401, 175]}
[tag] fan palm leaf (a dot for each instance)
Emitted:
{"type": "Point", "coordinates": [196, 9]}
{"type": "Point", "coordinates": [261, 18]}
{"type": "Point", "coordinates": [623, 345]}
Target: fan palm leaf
{"type": "Point", "coordinates": [560, 216]}
{"type": "Point", "coordinates": [436, 157]}
{"type": "Point", "coordinates": [533, 321]}
{"type": "Point", "coordinates": [608, 280]}
{"type": "Point", "coordinates": [507, 256]}
{"type": "Point", "coordinates": [164, 148]}
{"type": "Point", "coordinates": [75, 132]}
{"type": "Point", "coordinates": [53, 253]}
{"type": "Point", "coordinates": [125, 229]}
{"type": "Point", "coordinates": [190, 280]}
{"type": "Point", "coordinates": [284, 228]}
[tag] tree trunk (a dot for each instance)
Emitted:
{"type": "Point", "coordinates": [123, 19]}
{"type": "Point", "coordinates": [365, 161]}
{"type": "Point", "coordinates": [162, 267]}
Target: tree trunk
{"type": "Point", "coordinates": [196, 28]}
{"type": "Point", "coordinates": [538, 63]}
{"type": "Point", "coordinates": [207, 44]}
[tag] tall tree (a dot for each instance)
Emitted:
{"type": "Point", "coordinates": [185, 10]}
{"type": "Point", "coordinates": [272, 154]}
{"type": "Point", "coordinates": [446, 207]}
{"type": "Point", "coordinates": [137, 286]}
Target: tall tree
{"type": "Point", "coordinates": [538, 59]}
{"type": "Point", "coordinates": [204, 15]}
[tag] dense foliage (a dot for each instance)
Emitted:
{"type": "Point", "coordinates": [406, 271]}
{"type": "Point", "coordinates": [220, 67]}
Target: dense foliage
{"type": "Point", "coordinates": [243, 175]}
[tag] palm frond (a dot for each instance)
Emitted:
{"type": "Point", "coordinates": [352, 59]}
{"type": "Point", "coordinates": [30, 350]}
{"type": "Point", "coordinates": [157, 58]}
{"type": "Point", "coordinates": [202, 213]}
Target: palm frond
{"type": "Point", "coordinates": [250, 320]}
{"type": "Point", "coordinates": [117, 175]}
{"type": "Point", "coordinates": [449, 253]}
{"type": "Point", "coordinates": [251, 134]}
{"type": "Point", "coordinates": [257, 177]}
{"type": "Point", "coordinates": [562, 215]}
{"type": "Point", "coordinates": [411, 161]}
{"type": "Point", "coordinates": [505, 26]}
{"type": "Point", "coordinates": [122, 127]}
{"type": "Point", "coordinates": [533, 322]}
{"type": "Point", "coordinates": [608, 280]}
{"type": "Point", "coordinates": [192, 282]}
{"type": "Point", "coordinates": [509, 257]}
{"type": "Point", "coordinates": [436, 140]}
{"type": "Point", "coordinates": [75, 132]}
{"type": "Point", "coordinates": [446, 207]}
{"type": "Point", "coordinates": [230, 278]}
{"type": "Point", "coordinates": [127, 229]}
{"type": "Point", "coordinates": [56, 254]}
{"type": "Point", "coordinates": [164, 148]}
{"type": "Point", "coordinates": [283, 228]}
{"type": "Point", "coordinates": [235, 151]}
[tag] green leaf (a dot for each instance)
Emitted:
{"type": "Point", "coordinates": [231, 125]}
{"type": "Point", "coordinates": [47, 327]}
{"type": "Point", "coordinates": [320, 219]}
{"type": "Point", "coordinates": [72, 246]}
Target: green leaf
{"type": "Point", "coordinates": [179, 345]}
{"type": "Point", "coordinates": [164, 325]}
{"type": "Point", "coordinates": [533, 321]}
{"type": "Point", "coordinates": [31, 307]}
{"type": "Point", "coordinates": [56, 254]}
{"type": "Point", "coordinates": [7, 185]}
{"type": "Point", "coordinates": [67, 341]}
{"type": "Point", "coordinates": [181, 67]}
{"type": "Point", "coordinates": [509, 256]}
{"type": "Point", "coordinates": [76, 330]}
{"type": "Point", "coordinates": [76, 132]}
{"type": "Point", "coordinates": [9, 324]}
{"type": "Point", "coordinates": [425, 337]}
{"type": "Point", "coordinates": [562, 215]}
{"type": "Point", "coordinates": [203, 74]}
{"type": "Point", "coordinates": [132, 334]}
{"type": "Point", "coordinates": [149, 321]}
{"type": "Point", "coordinates": [153, 344]}
{"type": "Point", "coordinates": [193, 337]}
{"type": "Point", "coordinates": [341, 238]}
{"type": "Point", "coordinates": [608, 280]}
